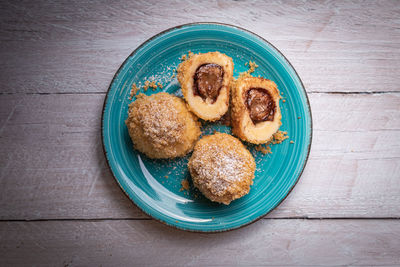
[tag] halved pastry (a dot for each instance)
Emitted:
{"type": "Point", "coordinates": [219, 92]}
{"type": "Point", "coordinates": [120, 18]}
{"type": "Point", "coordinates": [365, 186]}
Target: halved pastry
{"type": "Point", "coordinates": [204, 80]}
{"type": "Point", "coordinates": [256, 115]}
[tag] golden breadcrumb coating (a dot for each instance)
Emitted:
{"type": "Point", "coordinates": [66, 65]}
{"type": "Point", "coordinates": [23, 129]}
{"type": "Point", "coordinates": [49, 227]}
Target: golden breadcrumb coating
{"type": "Point", "coordinates": [222, 168]}
{"type": "Point", "coordinates": [242, 125]}
{"type": "Point", "coordinates": [161, 126]}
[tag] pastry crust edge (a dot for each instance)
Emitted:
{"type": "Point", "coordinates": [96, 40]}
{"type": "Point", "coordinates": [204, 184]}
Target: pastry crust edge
{"type": "Point", "coordinates": [186, 70]}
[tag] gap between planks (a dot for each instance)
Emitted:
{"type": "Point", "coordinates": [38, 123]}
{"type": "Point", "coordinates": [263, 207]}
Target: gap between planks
{"type": "Point", "coordinates": [310, 92]}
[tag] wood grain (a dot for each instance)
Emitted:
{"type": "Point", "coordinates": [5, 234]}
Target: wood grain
{"type": "Point", "coordinates": [53, 164]}
{"type": "Point", "coordinates": [58, 59]}
{"type": "Point", "coordinates": [149, 243]}
{"type": "Point", "coordinates": [77, 47]}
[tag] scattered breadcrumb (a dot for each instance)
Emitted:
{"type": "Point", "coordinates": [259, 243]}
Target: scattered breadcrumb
{"type": "Point", "coordinates": [153, 85]}
{"type": "Point", "coordinates": [252, 67]}
{"type": "Point", "coordinates": [191, 54]}
{"type": "Point", "coordinates": [183, 58]}
{"type": "Point", "coordinates": [146, 85]}
{"type": "Point", "coordinates": [283, 100]}
{"type": "Point", "coordinates": [299, 117]}
{"type": "Point", "coordinates": [264, 150]}
{"type": "Point", "coordinates": [173, 76]}
{"type": "Point", "coordinates": [133, 92]}
{"type": "Point", "coordinates": [279, 137]}
{"type": "Point", "coordinates": [166, 176]}
{"type": "Point", "coordinates": [160, 85]}
{"type": "Point", "coordinates": [185, 185]}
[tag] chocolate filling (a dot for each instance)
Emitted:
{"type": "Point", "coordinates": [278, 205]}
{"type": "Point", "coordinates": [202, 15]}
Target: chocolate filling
{"type": "Point", "coordinates": [208, 81]}
{"type": "Point", "coordinates": [260, 104]}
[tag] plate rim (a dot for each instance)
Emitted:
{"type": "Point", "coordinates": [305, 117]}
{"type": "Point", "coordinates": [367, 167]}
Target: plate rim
{"type": "Point", "coordinates": [106, 153]}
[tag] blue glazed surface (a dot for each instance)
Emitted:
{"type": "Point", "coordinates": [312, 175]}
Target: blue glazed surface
{"type": "Point", "coordinates": [145, 181]}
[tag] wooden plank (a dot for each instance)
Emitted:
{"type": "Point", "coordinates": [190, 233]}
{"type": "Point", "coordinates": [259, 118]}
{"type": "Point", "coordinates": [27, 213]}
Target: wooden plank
{"type": "Point", "coordinates": [55, 46]}
{"type": "Point", "coordinates": [149, 243]}
{"type": "Point", "coordinates": [52, 163]}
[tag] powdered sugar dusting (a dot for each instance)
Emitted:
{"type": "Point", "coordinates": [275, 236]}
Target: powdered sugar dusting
{"type": "Point", "coordinates": [160, 122]}
{"type": "Point", "coordinates": [224, 169]}
{"type": "Point", "coordinates": [221, 166]}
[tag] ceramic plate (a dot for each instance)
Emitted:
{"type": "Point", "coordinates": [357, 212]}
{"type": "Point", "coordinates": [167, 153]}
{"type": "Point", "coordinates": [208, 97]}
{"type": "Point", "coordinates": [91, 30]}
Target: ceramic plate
{"type": "Point", "coordinates": [155, 185]}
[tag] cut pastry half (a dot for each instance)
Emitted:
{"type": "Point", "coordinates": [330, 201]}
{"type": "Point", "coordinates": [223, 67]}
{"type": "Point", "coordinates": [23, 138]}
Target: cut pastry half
{"type": "Point", "coordinates": [256, 115]}
{"type": "Point", "coordinates": [205, 82]}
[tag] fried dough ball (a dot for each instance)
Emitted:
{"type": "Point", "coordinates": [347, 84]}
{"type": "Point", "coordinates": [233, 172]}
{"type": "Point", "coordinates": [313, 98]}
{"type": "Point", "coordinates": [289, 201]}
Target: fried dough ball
{"type": "Point", "coordinates": [222, 168]}
{"type": "Point", "coordinates": [161, 126]}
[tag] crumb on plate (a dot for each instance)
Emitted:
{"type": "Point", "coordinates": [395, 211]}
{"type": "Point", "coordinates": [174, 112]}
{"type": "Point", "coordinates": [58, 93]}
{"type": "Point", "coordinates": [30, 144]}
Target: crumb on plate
{"type": "Point", "coordinates": [146, 85]}
{"type": "Point", "coordinates": [264, 149]}
{"type": "Point", "coordinates": [279, 137]}
{"type": "Point", "coordinates": [185, 185]}
{"type": "Point", "coordinates": [134, 91]}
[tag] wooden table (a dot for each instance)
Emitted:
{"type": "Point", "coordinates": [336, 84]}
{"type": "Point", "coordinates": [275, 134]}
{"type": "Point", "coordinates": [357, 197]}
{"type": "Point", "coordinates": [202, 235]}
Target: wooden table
{"type": "Point", "coordinates": [59, 204]}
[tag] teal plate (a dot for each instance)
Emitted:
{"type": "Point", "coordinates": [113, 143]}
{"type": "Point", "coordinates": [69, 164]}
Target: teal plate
{"type": "Point", "coordinates": [155, 185]}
